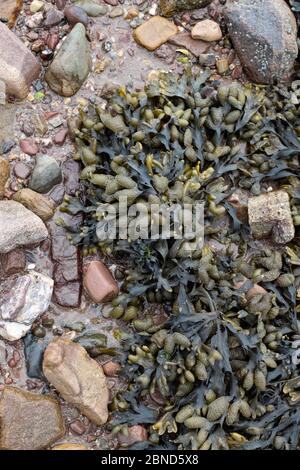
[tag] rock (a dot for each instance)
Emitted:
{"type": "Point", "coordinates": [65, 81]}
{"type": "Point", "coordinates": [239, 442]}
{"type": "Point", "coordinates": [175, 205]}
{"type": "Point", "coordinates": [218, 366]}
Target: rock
{"type": "Point", "coordinates": [78, 427]}
{"type": "Point", "coordinates": [21, 170]}
{"type": "Point", "coordinates": [131, 13]}
{"type": "Point", "coordinates": [29, 421]}
{"type": "Point", "coordinates": [270, 215]}
{"type": "Point", "coordinates": [35, 202]}
{"type": "Point", "coordinates": [53, 17]}
{"type": "Point", "coordinates": [207, 59]}
{"type": "Point", "coordinates": [136, 433]}
{"type": "Point", "coordinates": [7, 145]}
{"type": "Point", "coordinates": [29, 147]}
{"type": "Point", "coordinates": [9, 11]}
{"type": "Point", "coordinates": [34, 21]}
{"type": "Point", "coordinates": [4, 175]}
{"type": "Point", "coordinates": [7, 123]}
{"type": "Point", "coordinates": [170, 7]}
{"type": "Point", "coordinates": [111, 369]}
{"type": "Point", "coordinates": [36, 5]}
{"type": "Point", "coordinates": [115, 12]}
{"type": "Point", "coordinates": [2, 92]}
{"type": "Point", "coordinates": [99, 283]}
{"type": "Point", "coordinates": [19, 227]}
{"type": "Point", "coordinates": [78, 378]}
{"type": "Point", "coordinates": [34, 352]}
{"type": "Point", "coordinates": [71, 64]}
{"type": "Point", "coordinates": [222, 66]}
{"type": "Point", "coordinates": [60, 4]}
{"type": "Point", "coordinates": [73, 124]}
{"type": "Point", "coordinates": [52, 41]}
{"type": "Point", "coordinates": [154, 32]}
{"type": "Point", "coordinates": [71, 173]}
{"type": "Point", "coordinates": [91, 8]}
{"type": "Point", "coordinates": [22, 301]}
{"type": "Point", "coordinates": [113, 3]}
{"type": "Point", "coordinates": [18, 66]}
{"type": "Point", "coordinates": [239, 200]}
{"type": "Point", "coordinates": [67, 263]}
{"type": "Point", "coordinates": [68, 294]}
{"type": "Point", "coordinates": [207, 30]}
{"type": "Point", "coordinates": [45, 175]}
{"type": "Point", "coordinates": [60, 137]}
{"type": "Point", "coordinates": [196, 47]}
{"type": "Point", "coordinates": [253, 291]}
{"type": "Point", "coordinates": [69, 446]}
{"type": "Point", "coordinates": [264, 35]}
{"type": "Point", "coordinates": [13, 262]}
{"type": "Point", "coordinates": [75, 14]}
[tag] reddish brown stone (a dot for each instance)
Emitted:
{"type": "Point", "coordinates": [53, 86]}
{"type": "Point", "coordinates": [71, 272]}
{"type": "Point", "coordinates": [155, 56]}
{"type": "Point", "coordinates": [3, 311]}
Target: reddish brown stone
{"type": "Point", "coordinates": [237, 72]}
{"type": "Point", "coordinates": [67, 295]}
{"type": "Point", "coordinates": [60, 4]}
{"type": "Point", "coordinates": [71, 175]}
{"type": "Point", "coordinates": [99, 282]}
{"type": "Point", "coordinates": [13, 262]}
{"type": "Point", "coordinates": [38, 45]}
{"type": "Point", "coordinates": [53, 17]}
{"type": "Point", "coordinates": [239, 200]}
{"type": "Point", "coordinates": [137, 433]}
{"type": "Point", "coordinates": [75, 14]}
{"type": "Point", "coordinates": [111, 369]}
{"type": "Point", "coordinates": [60, 137]}
{"type": "Point", "coordinates": [18, 66]}
{"type": "Point", "coordinates": [29, 147]}
{"type": "Point", "coordinates": [67, 288]}
{"type": "Point", "coordinates": [21, 170]}
{"type": "Point", "coordinates": [78, 427]}
{"type": "Point", "coordinates": [196, 47]}
{"type": "Point", "coordinates": [52, 41]}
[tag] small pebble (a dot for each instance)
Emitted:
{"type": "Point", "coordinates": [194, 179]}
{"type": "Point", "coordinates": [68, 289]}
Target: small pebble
{"type": "Point", "coordinates": [222, 66]}
{"type": "Point", "coordinates": [29, 147]}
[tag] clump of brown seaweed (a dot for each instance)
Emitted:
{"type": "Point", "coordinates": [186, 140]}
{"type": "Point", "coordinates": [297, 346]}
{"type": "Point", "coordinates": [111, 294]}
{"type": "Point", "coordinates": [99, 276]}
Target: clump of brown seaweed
{"type": "Point", "coordinates": [219, 368]}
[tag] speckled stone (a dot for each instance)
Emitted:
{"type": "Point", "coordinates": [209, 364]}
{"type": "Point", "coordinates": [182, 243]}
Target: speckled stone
{"type": "Point", "coordinates": [264, 35]}
{"type": "Point", "coordinates": [270, 215]}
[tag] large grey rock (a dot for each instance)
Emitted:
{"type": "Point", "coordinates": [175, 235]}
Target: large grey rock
{"type": "Point", "coordinates": [264, 34]}
{"type": "Point", "coordinates": [45, 175]}
{"type": "Point", "coordinates": [71, 65]}
{"type": "Point", "coordinates": [22, 300]}
{"type": "Point", "coordinates": [19, 226]}
{"type": "Point", "coordinates": [18, 66]}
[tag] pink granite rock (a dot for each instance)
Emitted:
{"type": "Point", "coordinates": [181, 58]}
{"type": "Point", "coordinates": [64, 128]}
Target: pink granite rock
{"type": "Point", "coordinates": [18, 66]}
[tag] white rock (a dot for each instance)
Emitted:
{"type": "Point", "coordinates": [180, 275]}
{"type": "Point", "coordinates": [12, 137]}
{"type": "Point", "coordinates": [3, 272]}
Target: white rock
{"type": "Point", "coordinates": [19, 226]}
{"type": "Point", "coordinates": [207, 30]}
{"type": "Point", "coordinates": [22, 300]}
{"type": "Point", "coordinates": [36, 6]}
